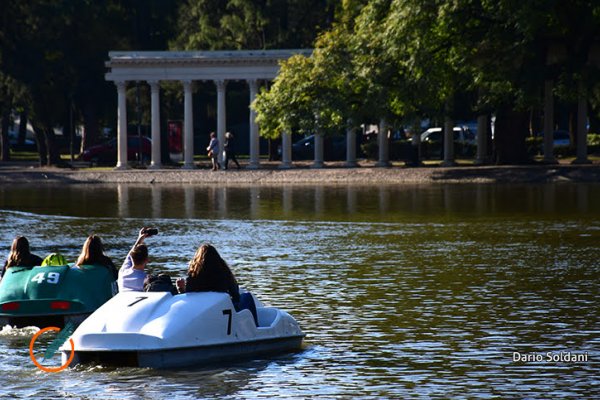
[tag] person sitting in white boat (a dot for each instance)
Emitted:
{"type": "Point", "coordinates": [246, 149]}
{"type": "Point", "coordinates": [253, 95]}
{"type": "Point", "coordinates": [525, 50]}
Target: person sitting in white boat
{"type": "Point", "coordinates": [132, 273]}
{"type": "Point", "coordinates": [208, 272]}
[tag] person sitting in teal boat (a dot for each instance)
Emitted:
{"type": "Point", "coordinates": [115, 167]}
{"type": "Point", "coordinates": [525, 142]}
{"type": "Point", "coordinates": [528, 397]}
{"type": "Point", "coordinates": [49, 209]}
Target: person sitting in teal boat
{"type": "Point", "coordinates": [132, 273]}
{"type": "Point", "coordinates": [20, 255]}
{"type": "Point", "coordinates": [92, 253]}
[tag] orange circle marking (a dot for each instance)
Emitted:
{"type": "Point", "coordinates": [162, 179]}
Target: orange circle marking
{"type": "Point", "coordinates": [40, 366]}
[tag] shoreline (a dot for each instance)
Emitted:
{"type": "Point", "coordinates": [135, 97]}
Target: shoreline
{"type": "Point", "coordinates": [303, 174]}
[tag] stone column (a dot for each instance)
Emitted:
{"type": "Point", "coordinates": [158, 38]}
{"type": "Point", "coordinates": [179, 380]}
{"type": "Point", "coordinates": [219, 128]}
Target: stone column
{"type": "Point", "coordinates": [318, 163]}
{"type": "Point", "coordinates": [121, 125]}
{"type": "Point", "coordinates": [254, 140]}
{"type": "Point", "coordinates": [448, 143]}
{"type": "Point", "coordinates": [286, 150]}
{"type": "Point", "coordinates": [383, 143]}
{"type": "Point", "coordinates": [188, 126]}
{"type": "Point", "coordinates": [548, 124]}
{"type": "Point", "coordinates": [581, 128]}
{"type": "Point", "coordinates": [221, 116]}
{"type": "Point", "coordinates": [155, 124]}
{"type": "Point", "coordinates": [350, 145]}
{"type": "Point", "coordinates": [481, 157]}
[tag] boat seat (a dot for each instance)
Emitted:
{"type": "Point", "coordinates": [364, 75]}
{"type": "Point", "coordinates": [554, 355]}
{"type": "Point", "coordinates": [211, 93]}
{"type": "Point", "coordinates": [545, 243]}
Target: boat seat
{"type": "Point", "coordinates": [266, 316]}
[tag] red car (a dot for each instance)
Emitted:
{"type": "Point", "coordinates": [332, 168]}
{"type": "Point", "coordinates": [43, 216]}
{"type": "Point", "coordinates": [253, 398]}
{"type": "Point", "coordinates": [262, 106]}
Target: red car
{"type": "Point", "coordinates": [106, 153]}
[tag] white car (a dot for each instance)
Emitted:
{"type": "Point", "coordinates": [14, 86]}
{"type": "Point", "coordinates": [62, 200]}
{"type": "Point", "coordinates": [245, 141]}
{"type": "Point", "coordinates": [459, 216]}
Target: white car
{"type": "Point", "coordinates": [432, 139]}
{"type": "Point", "coordinates": [461, 135]}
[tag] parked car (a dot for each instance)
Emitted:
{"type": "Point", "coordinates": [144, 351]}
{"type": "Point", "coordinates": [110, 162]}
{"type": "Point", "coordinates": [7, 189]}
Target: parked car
{"type": "Point", "coordinates": [464, 141]}
{"type": "Point", "coordinates": [561, 138]}
{"type": "Point", "coordinates": [106, 153]}
{"type": "Point", "coordinates": [334, 148]}
{"type": "Point", "coordinates": [28, 144]}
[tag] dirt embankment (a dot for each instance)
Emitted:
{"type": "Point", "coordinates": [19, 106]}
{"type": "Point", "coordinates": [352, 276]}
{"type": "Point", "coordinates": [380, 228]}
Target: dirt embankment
{"type": "Point", "coordinates": [270, 174]}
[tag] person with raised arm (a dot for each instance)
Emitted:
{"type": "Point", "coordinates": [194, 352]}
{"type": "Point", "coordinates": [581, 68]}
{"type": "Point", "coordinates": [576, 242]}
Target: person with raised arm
{"type": "Point", "coordinates": [132, 273]}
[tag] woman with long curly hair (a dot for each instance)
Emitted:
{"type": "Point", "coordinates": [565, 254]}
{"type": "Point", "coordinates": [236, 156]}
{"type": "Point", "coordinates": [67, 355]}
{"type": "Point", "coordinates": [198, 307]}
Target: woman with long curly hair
{"type": "Point", "coordinates": [20, 255]}
{"type": "Point", "coordinates": [92, 253]}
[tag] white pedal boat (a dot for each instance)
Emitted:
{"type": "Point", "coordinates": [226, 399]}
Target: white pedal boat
{"type": "Point", "coordinates": [159, 330]}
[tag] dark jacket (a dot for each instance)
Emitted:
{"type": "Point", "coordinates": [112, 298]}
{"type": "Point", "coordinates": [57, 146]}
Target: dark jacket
{"type": "Point", "coordinates": [107, 262]}
{"type": "Point", "coordinates": [221, 282]}
{"type": "Point", "coordinates": [30, 261]}
{"type": "Point", "coordinates": [229, 145]}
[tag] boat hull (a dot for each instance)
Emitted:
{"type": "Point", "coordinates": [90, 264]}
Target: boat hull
{"type": "Point", "coordinates": [183, 357]}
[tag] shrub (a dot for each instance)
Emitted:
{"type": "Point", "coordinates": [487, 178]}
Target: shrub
{"type": "Point", "coordinates": [370, 150]}
{"type": "Point", "coordinates": [593, 139]}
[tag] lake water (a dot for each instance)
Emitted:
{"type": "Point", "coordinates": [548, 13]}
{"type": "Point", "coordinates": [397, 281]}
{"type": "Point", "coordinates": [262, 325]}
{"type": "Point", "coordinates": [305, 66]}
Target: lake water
{"type": "Point", "coordinates": [402, 291]}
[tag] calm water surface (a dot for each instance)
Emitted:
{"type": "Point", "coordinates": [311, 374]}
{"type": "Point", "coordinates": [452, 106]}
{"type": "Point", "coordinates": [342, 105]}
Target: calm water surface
{"type": "Point", "coordinates": [403, 292]}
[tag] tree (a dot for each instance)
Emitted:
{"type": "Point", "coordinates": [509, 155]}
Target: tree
{"type": "Point", "coordinates": [246, 24]}
{"type": "Point", "coordinates": [55, 50]}
{"type": "Point", "coordinates": [429, 59]}
{"type": "Point", "coordinates": [321, 92]}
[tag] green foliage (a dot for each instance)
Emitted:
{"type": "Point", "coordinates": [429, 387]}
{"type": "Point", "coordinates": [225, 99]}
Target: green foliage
{"type": "Point", "coordinates": [593, 139]}
{"type": "Point", "coordinates": [246, 24]}
{"type": "Point", "coordinates": [411, 59]}
{"type": "Point", "coordinates": [288, 103]}
{"type": "Point", "coordinates": [398, 60]}
{"type": "Point", "coordinates": [52, 55]}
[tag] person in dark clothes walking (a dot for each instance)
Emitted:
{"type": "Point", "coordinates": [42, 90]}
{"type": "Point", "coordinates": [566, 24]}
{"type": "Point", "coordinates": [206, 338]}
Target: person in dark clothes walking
{"type": "Point", "coordinates": [229, 147]}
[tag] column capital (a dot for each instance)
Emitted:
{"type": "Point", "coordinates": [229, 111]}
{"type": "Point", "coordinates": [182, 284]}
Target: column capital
{"type": "Point", "coordinates": [187, 84]}
{"type": "Point", "coordinates": [154, 85]}
{"type": "Point", "coordinates": [220, 83]}
{"type": "Point", "coordinates": [121, 85]}
{"type": "Point", "coordinates": [252, 83]}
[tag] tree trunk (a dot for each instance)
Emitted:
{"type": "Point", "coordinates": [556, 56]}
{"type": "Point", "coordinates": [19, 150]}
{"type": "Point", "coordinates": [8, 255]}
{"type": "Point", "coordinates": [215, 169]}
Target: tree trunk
{"type": "Point", "coordinates": [573, 123]}
{"type": "Point", "coordinates": [40, 139]}
{"type": "Point", "coordinates": [510, 131]}
{"type": "Point", "coordinates": [4, 142]}
{"type": "Point", "coordinates": [273, 145]}
{"type": "Point", "coordinates": [594, 120]}
{"type": "Point", "coordinates": [22, 129]}
{"type": "Point", "coordinates": [52, 147]}
{"type": "Point", "coordinates": [91, 128]}
{"type": "Point", "coordinates": [536, 123]}
{"type": "Point", "coordinates": [68, 138]}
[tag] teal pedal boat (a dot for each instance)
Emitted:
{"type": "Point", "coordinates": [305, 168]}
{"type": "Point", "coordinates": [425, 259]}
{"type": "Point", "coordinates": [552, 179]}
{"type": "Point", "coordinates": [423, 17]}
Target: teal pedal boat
{"type": "Point", "coordinates": [53, 295]}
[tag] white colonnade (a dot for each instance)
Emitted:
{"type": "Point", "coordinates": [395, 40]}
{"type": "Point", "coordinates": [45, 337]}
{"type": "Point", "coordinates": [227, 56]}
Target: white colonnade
{"type": "Point", "coordinates": [187, 67]}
